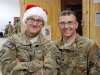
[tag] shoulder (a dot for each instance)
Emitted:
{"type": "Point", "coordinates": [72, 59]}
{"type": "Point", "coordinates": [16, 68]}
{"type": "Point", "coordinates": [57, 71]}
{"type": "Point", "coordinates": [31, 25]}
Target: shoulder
{"type": "Point", "coordinates": [49, 42]}
{"type": "Point", "coordinates": [9, 43]}
{"type": "Point", "coordinates": [86, 40]}
{"type": "Point", "coordinates": [45, 40]}
{"type": "Point", "coordinates": [58, 42]}
{"type": "Point", "coordinates": [50, 46]}
{"type": "Point", "coordinates": [16, 37]}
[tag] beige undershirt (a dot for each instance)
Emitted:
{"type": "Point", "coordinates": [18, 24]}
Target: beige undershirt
{"type": "Point", "coordinates": [68, 42]}
{"type": "Point", "coordinates": [33, 39]}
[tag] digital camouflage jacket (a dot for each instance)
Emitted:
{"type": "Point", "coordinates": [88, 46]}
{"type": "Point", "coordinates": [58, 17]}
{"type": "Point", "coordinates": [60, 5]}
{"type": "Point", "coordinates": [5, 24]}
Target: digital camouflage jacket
{"type": "Point", "coordinates": [82, 57]}
{"type": "Point", "coordinates": [19, 46]}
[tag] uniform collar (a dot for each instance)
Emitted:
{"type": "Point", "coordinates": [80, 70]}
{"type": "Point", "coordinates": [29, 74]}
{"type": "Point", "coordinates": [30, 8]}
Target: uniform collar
{"type": "Point", "coordinates": [71, 47]}
{"type": "Point", "coordinates": [39, 40]}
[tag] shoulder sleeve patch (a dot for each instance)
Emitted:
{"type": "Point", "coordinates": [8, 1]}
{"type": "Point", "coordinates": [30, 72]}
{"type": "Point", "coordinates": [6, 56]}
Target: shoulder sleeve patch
{"type": "Point", "coordinates": [9, 44]}
{"type": "Point", "coordinates": [58, 61]}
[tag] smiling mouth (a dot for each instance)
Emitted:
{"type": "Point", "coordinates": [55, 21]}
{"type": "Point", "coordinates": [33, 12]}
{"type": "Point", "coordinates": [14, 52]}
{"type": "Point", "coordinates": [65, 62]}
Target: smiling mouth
{"type": "Point", "coordinates": [66, 31]}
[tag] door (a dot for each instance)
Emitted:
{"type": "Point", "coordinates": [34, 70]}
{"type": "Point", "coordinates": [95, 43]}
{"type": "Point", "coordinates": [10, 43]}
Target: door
{"type": "Point", "coordinates": [85, 18]}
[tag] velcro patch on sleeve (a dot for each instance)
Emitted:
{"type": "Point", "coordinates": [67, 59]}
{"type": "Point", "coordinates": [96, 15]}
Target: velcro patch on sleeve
{"type": "Point", "coordinates": [9, 44]}
{"type": "Point", "coordinates": [58, 61]}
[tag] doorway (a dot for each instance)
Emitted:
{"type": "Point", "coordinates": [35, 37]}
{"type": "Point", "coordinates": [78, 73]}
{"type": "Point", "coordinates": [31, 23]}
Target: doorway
{"type": "Point", "coordinates": [76, 6]}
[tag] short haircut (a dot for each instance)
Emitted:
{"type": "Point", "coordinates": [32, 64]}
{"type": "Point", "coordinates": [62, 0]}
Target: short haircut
{"type": "Point", "coordinates": [68, 12]}
{"type": "Point", "coordinates": [9, 21]}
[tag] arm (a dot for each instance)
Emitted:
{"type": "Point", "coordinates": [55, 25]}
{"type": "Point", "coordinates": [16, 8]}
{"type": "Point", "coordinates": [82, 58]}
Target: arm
{"type": "Point", "coordinates": [50, 63]}
{"type": "Point", "coordinates": [52, 59]}
{"type": "Point", "coordinates": [7, 56]}
{"type": "Point", "coordinates": [30, 66]}
{"type": "Point", "coordinates": [94, 57]}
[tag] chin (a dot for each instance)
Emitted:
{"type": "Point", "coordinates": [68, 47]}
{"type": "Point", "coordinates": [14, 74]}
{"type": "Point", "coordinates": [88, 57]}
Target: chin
{"type": "Point", "coordinates": [34, 32]}
{"type": "Point", "coordinates": [67, 35]}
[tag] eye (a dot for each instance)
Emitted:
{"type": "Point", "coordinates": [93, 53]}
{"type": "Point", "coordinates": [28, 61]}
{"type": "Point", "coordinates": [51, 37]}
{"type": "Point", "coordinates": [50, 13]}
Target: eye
{"type": "Point", "coordinates": [31, 19]}
{"type": "Point", "coordinates": [62, 23]}
{"type": "Point", "coordinates": [39, 20]}
{"type": "Point", "coordinates": [70, 23]}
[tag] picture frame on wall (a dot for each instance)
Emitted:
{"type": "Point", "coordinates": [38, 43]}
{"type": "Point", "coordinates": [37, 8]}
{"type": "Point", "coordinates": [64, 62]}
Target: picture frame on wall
{"type": "Point", "coordinates": [46, 30]}
{"type": "Point", "coordinates": [15, 19]}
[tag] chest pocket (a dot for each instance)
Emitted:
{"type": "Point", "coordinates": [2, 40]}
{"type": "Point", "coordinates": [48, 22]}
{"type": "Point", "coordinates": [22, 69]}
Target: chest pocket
{"type": "Point", "coordinates": [67, 55]}
{"type": "Point", "coordinates": [23, 52]}
{"type": "Point", "coordinates": [39, 51]}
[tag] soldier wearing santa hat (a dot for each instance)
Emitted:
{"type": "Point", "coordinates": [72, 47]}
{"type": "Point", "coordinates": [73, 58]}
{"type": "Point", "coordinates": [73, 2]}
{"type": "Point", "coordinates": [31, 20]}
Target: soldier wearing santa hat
{"type": "Point", "coordinates": [30, 53]}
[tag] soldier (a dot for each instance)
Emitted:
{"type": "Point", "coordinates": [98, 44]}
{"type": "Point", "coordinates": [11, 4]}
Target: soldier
{"type": "Point", "coordinates": [6, 31]}
{"type": "Point", "coordinates": [79, 55]}
{"type": "Point", "coordinates": [14, 31]}
{"type": "Point", "coordinates": [18, 26]}
{"type": "Point", "coordinates": [9, 27]}
{"type": "Point", "coordinates": [30, 53]}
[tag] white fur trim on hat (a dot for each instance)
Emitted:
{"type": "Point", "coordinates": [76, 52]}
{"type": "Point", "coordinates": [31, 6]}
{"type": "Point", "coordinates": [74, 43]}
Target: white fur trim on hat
{"type": "Point", "coordinates": [37, 11]}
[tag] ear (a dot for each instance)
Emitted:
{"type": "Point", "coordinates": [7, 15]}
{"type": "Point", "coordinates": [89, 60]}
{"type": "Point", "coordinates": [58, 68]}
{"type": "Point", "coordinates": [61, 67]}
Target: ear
{"type": "Point", "coordinates": [77, 24]}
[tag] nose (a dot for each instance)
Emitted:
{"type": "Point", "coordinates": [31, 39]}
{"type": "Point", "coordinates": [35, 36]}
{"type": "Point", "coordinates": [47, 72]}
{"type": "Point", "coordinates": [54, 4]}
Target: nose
{"type": "Point", "coordinates": [34, 23]}
{"type": "Point", "coordinates": [66, 25]}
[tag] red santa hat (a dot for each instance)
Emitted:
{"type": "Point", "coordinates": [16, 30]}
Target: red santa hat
{"type": "Point", "coordinates": [32, 10]}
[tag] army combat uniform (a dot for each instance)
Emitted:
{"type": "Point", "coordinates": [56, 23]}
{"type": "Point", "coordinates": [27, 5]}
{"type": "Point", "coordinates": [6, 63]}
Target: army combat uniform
{"type": "Point", "coordinates": [81, 57]}
{"type": "Point", "coordinates": [6, 31]}
{"type": "Point", "coordinates": [20, 46]}
{"type": "Point", "coordinates": [18, 27]}
{"type": "Point", "coordinates": [9, 29]}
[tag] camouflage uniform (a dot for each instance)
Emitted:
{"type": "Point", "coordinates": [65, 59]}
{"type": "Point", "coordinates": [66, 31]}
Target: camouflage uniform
{"type": "Point", "coordinates": [81, 57]}
{"type": "Point", "coordinates": [6, 31]}
{"type": "Point", "coordinates": [9, 29]}
{"type": "Point", "coordinates": [18, 27]}
{"type": "Point", "coordinates": [14, 30]}
{"type": "Point", "coordinates": [19, 46]}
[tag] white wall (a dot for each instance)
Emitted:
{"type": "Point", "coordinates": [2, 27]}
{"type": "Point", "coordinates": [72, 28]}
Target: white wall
{"type": "Point", "coordinates": [8, 10]}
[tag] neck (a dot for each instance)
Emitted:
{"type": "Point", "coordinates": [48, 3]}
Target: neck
{"type": "Point", "coordinates": [31, 35]}
{"type": "Point", "coordinates": [67, 39]}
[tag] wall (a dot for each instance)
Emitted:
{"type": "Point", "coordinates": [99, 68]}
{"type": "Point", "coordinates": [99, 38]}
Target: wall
{"type": "Point", "coordinates": [8, 10]}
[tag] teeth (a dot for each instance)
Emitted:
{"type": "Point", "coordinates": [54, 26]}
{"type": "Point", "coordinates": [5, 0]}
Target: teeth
{"type": "Point", "coordinates": [66, 30]}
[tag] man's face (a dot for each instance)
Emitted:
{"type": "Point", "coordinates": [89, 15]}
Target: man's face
{"type": "Point", "coordinates": [68, 25]}
{"type": "Point", "coordinates": [34, 24]}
